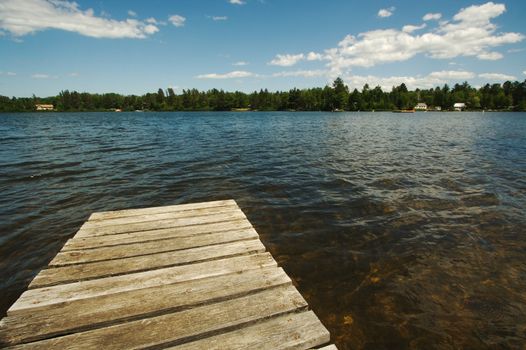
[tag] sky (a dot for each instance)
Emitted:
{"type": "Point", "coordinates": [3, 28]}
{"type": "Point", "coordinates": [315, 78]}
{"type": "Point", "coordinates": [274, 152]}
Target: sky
{"type": "Point", "coordinates": [134, 47]}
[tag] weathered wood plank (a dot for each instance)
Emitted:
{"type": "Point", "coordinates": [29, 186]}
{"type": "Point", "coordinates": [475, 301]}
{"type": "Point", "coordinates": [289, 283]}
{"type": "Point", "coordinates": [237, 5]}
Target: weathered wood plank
{"type": "Point", "coordinates": [160, 216]}
{"type": "Point", "coordinates": [152, 235]}
{"type": "Point", "coordinates": [74, 273]}
{"type": "Point", "coordinates": [292, 331]}
{"type": "Point", "coordinates": [144, 248]}
{"type": "Point", "coordinates": [85, 314]}
{"type": "Point", "coordinates": [153, 225]}
{"type": "Point", "coordinates": [181, 326]}
{"type": "Point", "coordinates": [35, 298]}
{"type": "Point", "coordinates": [154, 210]}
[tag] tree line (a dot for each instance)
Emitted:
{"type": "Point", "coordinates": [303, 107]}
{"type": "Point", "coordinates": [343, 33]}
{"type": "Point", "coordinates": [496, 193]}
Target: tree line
{"type": "Point", "coordinates": [506, 96]}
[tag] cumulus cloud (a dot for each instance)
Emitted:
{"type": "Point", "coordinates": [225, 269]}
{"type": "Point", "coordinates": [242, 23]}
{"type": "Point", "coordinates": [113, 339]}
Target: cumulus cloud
{"type": "Point", "coordinates": [452, 75]}
{"type": "Point", "coordinates": [240, 63]}
{"type": "Point", "coordinates": [219, 18]}
{"type": "Point", "coordinates": [286, 60]}
{"type": "Point", "coordinates": [497, 76]}
{"type": "Point", "coordinates": [301, 73]}
{"type": "Point", "coordinates": [431, 80]}
{"type": "Point", "coordinates": [10, 74]}
{"type": "Point", "coordinates": [411, 28]}
{"type": "Point", "coordinates": [132, 13]}
{"type": "Point", "coordinates": [230, 75]}
{"type": "Point", "coordinates": [314, 56]}
{"type": "Point", "coordinates": [20, 18]}
{"type": "Point", "coordinates": [432, 16]}
{"type": "Point", "coordinates": [383, 13]}
{"type": "Point", "coordinates": [470, 33]}
{"type": "Point", "coordinates": [524, 72]}
{"type": "Point", "coordinates": [237, 2]}
{"type": "Point", "coordinates": [177, 20]}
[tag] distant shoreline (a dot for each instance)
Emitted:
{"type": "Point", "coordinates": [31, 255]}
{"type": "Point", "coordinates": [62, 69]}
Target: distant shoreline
{"type": "Point", "coordinates": [509, 96]}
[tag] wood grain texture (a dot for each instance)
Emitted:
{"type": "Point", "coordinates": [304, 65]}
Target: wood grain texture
{"type": "Point", "coordinates": [144, 248]}
{"type": "Point", "coordinates": [155, 225]}
{"type": "Point", "coordinates": [85, 314]}
{"type": "Point", "coordinates": [155, 210]}
{"type": "Point", "coordinates": [291, 331]}
{"type": "Point", "coordinates": [99, 269]}
{"type": "Point", "coordinates": [180, 325]}
{"type": "Point", "coordinates": [160, 216]}
{"type": "Point", "coordinates": [34, 298]}
{"type": "Point", "coordinates": [153, 235]}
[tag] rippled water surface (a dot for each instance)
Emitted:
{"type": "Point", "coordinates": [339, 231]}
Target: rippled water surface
{"type": "Point", "coordinates": [401, 231]}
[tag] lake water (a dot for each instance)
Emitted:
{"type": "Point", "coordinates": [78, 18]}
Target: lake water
{"type": "Point", "coordinates": [401, 230]}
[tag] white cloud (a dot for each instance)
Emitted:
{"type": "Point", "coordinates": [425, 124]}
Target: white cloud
{"type": "Point", "coordinates": [432, 16]}
{"type": "Point", "coordinates": [524, 72]}
{"type": "Point", "coordinates": [314, 56]}
{"type": "Point", "coordinates": [471, 33]}
{"type": "Point", "coordinates": [383, 13]}
{"type": "Point", "coordinates": [237, 2]}
{"type": "Point", "coordinates": [411, 28]}
{"type": "Point", "coordinates": [219, 18]}
{"type": "Point", "coordinates": [40, 76]}
{"type": "Point", "coordinates": [286, 60]}
{"type": "Point", "coordinates": [490, 56]}
{"type": "Point", "coordinates": [10, 74]}
{"type": "Point", "coordinates": [151, 20]}
{"type": "Point", "coordinates": [452, 75]}
{"type": "Point", "coordinates": [73, 74]}
{"type": "Point", "coordinates": [302, 73]}
{"type": "Point", "coordinates": [132, 13]}
{"type": "Point", "coordinates": [429, 81]}
{"type": "Point", "coordinates": [177, 20]}
{"type": "Point", "coordinates": [240, 63]}
{"type": "Point", "coordinates": [230, 75]}
{"type": "Point", "coordinates": [497, 76]}
{"type": "Point", "coordinates": [29, 16]}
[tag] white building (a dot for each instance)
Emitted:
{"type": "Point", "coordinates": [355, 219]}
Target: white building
{"type": "Point", "coordinates": [44, 107]}
{"type": "Point", "coordinates": [421, 107]}
{"type": "Point", "coordinates": [459, 106]}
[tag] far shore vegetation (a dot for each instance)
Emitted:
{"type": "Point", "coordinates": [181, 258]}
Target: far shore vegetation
{"type": "Point", "coordinates": [509, 96]}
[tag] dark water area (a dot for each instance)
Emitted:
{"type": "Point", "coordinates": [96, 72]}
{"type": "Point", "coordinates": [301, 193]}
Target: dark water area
{"type": "Point", "coordinates": [402, 231]}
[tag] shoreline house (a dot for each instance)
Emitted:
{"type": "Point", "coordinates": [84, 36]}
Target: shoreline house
{"type": "Point", "coordinates": [459, 106]}
{"type": "Point", "coordinates": [44, 107]}
{"type": "Point", "coordinates": [421, 107]}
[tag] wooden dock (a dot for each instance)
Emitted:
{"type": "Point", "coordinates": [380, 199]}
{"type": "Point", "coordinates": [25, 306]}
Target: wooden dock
{"type": "Point", "coordinates": [191, 276]}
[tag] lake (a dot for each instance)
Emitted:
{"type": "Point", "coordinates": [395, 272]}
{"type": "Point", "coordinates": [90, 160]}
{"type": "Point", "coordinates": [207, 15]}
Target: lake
{"type": "Point", "coordinates": [400, 230]}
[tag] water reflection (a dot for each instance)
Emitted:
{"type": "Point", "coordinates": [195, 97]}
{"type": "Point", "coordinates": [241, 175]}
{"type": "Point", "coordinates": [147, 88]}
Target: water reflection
{"type": "Point", "coordinates": [402, 231]}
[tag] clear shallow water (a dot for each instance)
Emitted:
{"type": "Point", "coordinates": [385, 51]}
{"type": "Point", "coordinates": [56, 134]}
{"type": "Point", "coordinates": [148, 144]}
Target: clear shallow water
{"type": "Point", "coordinates": [401, 231]}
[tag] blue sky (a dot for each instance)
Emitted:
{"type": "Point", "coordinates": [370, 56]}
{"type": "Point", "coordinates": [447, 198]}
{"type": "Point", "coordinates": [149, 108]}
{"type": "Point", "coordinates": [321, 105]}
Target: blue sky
{"type": "Point", "coordinates": [138, 46]}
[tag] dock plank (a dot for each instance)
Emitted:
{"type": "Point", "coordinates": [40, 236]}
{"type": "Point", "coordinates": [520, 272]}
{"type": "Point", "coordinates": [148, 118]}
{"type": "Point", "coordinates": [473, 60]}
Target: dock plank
{"type": "Point", "coordinates": [85, 314]}
{"type": "Point", "coordinates": [144, 248]}
{"type": "Point", "coordinates": [292, 331]}
{"type": "Point", "coordinates": [153, 225]}
{"type": "Point", "coordinates": [181, 326]}
{"type": "Point", "coordinates": [159, 216]}
{"type": "Point", "coordinates": [34, 298]}
{"type": "Point", "coordinates": [99, 269]}
{"type": "Point", "coordinates": [163, 209]}
{"type": "Point", "coordinates": [153, 235]}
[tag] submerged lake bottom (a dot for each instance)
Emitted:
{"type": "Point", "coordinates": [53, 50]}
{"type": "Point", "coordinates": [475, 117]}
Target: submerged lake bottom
{"type": "Point", "coordinates": [402, 231]}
